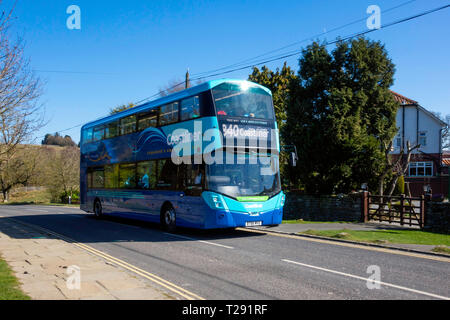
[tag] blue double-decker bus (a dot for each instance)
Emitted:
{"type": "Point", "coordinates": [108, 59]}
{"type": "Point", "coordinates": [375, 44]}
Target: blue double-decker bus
{"type": "Point", "coordinates": [206, 157]}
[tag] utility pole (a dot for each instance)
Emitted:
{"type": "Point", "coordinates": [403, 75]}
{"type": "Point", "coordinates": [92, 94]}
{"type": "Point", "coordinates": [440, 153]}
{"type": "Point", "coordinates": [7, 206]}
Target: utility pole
{"type": "Point", "coordinates": [187, 83]}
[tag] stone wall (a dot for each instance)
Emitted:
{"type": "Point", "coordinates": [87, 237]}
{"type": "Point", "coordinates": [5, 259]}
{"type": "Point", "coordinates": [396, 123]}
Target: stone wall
{"type": "Point", "coordinates": [438, 216]}
{"type": "Point", "coordinates": [322, 208]}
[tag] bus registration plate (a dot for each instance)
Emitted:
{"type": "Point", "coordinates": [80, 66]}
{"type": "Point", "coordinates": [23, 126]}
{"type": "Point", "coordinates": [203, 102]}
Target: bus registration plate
{"type": "Point", "coordinates": [253, 223]}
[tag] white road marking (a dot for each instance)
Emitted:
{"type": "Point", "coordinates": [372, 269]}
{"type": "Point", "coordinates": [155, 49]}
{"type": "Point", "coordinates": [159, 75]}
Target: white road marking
{"type": "Point", "coordinates": [365, 279]}
{"type": "Point", "coordinates": [206, 242]}
{"type": "Point", "coordinates": [36, 210]}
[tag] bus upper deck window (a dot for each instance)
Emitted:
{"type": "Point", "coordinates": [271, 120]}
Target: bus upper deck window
{"type": "Point", "coordinates": [190, 108]}
{"type": "Point", "coordinates": [112, 130]}
{"type": "Point", "coordinates": [128, 125]}
{"type": "Point", "coordinates": [87, 135]}
{"type": "Point", "coordinates": [147, 120]}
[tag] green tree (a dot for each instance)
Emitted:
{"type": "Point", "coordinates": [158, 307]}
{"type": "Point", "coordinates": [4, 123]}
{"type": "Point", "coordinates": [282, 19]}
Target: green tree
{"type": "Point", "coordinates": [340, 114]}
{"type": "Point", "coordinates": [121, 108]}
{"type": "Point", "coordinates": [58, 140]}
{"type": "Point", "coordinates": [279, 83]}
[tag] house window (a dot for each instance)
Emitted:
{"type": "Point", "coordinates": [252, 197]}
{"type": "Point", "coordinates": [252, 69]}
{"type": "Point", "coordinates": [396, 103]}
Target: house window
{"type": "Point", "coordinates": [423, 139]}
{"type": "Point", "coordinates": [398, 141]}
{"type": "Point", "coordinates": [421, 169]}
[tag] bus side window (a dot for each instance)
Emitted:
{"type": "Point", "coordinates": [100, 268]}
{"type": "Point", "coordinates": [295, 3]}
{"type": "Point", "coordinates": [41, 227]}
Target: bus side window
{"type": "Point", "coordinates": [168, 114]}
{"type": "Point", "coordinates": [190, 108]}
{"type": "Point", "coordinates": [146, 175]}
{"type": "Point", "coordinates": [87, 135]}
{"type": "Point", "coordinates": [98, 179]}
{"type": "Point", "coordinates": [127, 176]}
{"type": "Point", "coordinates": [128, 125]}
{"type": "Point", "coordinates": [167, 175]}
{"type": "Point", "coordinates": [147, 120]}
{"type": "Point", "coordinates": [112, 130]}
{"type": "Point", "coordinates": [194, 179]}
{"type": "Point", "coordinates": [99, 133]}
{"type": "Point", "coordinates": [111, 176]}
{"type": "Point", "coordinates": [89, 179]}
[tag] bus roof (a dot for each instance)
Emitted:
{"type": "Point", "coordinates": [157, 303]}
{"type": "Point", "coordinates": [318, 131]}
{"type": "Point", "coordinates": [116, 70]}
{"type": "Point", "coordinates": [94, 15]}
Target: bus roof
{"type": "Point", "coordinates": [168, 99]}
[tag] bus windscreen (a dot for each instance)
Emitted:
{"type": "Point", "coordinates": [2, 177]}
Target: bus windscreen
{"type": "Point", "coordinates": [233, 100]}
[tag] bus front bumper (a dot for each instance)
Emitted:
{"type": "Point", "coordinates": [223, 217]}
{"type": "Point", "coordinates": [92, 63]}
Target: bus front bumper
{"type": "Point", "coordinates": [230, 219]}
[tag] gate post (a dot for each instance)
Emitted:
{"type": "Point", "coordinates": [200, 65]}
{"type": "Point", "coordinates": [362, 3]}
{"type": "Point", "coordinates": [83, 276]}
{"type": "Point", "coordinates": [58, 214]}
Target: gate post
{"type": "Point", "coordinates": [365, 206]}
{"type": "Point", "coordinates": [402, 208]}
{"type": "Point", "coordinates": [422, 212]}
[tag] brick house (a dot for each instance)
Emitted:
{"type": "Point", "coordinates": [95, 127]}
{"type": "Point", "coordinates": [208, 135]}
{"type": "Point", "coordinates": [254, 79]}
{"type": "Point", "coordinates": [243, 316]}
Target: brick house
{"type": "Point", "coordinates": [419, 126]}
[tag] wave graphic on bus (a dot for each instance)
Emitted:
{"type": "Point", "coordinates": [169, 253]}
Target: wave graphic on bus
{"type": "Point", "coordinates": [100, 154]}
{"type": "Point", "coordinates": [156, 136]}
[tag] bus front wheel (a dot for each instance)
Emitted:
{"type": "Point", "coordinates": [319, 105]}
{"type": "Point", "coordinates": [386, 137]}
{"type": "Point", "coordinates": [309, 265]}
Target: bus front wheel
{"type": "Point", "coordinates": [168, 219]}
{"type": "Point", "coordinates": [98, 210]}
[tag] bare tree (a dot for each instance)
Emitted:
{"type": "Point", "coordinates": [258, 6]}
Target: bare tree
{"type": "Point", "coordinates": [446, 135]}
{"type": "Point", "coordinates": [402, 164]}
{"type": "Point", "coordinates": [63, 175]}
{"type": "Point", "coordinates": [20, 113]}
{"type": "Point", "coordinates": [17, 169]}
{"type": "Point", "coordinates": [172, 87]}
{"type": "Point", "coordinates": [175, 86]}
{"type": "Point", "coordinates": [399, 166]}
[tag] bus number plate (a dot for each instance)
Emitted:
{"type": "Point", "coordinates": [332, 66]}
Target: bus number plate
{"type": "Point", "coordinates": [253, 223]}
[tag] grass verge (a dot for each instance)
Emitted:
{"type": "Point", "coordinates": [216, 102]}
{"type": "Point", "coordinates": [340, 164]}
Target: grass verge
{"type": "Point", "coordinates": [441, 249]}
{"type": "Point", "coordinates": [9, 285]}
{"type": "Point", "coordinates": [386, 236]}
{"type": "Point", "coordinates": [301, 221]}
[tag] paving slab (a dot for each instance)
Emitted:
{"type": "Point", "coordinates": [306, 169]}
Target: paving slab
{"type": "Point", "coordinates": [41, 265]}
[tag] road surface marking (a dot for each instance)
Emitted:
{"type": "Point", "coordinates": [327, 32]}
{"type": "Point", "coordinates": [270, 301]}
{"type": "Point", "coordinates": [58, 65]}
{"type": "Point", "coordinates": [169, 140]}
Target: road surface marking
{"type": "Point", "coordinates": [207, 242]}
{"type": "Point", "coordinates": [350, 245]}
{"type": "Point", "coordinates": [366, 279]}
{"type": "Point", "coordinates": [36, 210]}
{"type": "Point", "coordinates": [162, 282]}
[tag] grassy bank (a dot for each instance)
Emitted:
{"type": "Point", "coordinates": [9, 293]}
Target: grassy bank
{"type": "Point", "coordinates": [386, 236]}
{"type": "Point", "coordinates": [41, 197]}
{"type": "Point", "coordinates": [9, 285]}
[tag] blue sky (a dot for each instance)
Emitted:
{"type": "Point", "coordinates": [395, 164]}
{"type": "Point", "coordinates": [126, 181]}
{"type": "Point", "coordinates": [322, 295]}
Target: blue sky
{"type": "Point", "coordinates": [130, 49]}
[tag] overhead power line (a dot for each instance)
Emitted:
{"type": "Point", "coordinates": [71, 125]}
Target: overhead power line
{"type": "Point", "coordinates": [292, 53]}
{"type": "Point", "coordinates": [246, 61]}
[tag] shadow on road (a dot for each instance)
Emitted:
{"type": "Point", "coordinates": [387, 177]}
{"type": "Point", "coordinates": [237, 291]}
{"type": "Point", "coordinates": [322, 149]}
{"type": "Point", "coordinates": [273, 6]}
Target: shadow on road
{"type": "Point", "coordinates": [85, 228]}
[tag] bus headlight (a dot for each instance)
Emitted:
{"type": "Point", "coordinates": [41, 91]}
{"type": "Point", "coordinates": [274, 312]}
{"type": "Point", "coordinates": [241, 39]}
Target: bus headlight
{"type": "Point", "coordinates": [218, 202]}
{"type": "Point", "coordinates": [283, 200]}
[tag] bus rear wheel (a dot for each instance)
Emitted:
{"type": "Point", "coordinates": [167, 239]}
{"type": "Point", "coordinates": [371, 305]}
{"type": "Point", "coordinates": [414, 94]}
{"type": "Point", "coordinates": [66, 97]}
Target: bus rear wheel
{"type": "Point", "coordinates": [168, 219]}
{"type": "Point", "coordinates": [98, 210]}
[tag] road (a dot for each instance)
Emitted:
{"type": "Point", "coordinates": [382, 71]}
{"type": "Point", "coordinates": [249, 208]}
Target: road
{"type": "Point", "coordinates": [244, 265]}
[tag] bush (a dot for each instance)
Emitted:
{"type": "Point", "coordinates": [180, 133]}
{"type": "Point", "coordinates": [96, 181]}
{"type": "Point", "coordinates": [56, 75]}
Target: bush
{"type": "Point", "coordinates": [400, 187]}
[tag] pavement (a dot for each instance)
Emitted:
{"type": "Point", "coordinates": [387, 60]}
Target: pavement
{"type": "Point", "coordinates": [237, 264]}
{"type": "Point", "coordinates": [45, 268]}
{"type": "Point", "coordinates": [296, 228]}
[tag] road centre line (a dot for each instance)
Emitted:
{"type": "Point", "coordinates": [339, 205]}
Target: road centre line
{"type": "Point", "coordinates": [206, 242]}
{"type": "Point", "coordinates": [154, 278]}
{"type": "Point", "coordinates": [350, 245]}
{"type": "Point", "coordinates": [367, 279]}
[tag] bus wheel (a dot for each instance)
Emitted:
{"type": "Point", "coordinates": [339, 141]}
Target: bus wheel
{"type": "Point", "coordinates": [168, 219]}
{"type": "Point", "coordinates": [98, 210]}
